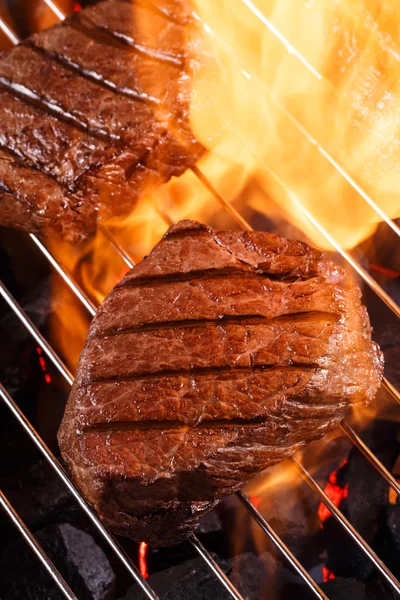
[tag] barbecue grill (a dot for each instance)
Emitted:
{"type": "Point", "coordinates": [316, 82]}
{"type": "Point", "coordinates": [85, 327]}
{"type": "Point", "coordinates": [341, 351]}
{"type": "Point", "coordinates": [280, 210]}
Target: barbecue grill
{"type": "Point", "coordinates": [242, 497]}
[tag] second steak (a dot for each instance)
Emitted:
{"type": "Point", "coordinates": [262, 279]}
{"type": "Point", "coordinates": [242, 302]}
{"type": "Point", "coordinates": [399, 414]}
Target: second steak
{"type": "Point", "coordinates": [93, 112]}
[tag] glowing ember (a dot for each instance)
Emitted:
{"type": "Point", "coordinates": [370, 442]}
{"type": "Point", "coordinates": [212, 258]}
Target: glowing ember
{"type": "Point", "coordinates": [327, 574]}
{"type": "Point", "coordinates": [142, 559]}
{"type": "Point", "coordinates": [77, 6]}
{"type": "Point", "coordinates": [335, 492]}
{"type": "Point", "coordinates": [43, 365]}
{"type": "Point", "coordinates": [256, 501]}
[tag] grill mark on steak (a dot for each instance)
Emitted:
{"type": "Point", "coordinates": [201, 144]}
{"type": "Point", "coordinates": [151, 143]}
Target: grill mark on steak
{"type": "Point", "coordinates": [5, 188]}
{"type": "Point", "coordinates": [22, 161]}
{"type": "Point", "coordinates": [177, 425]}
{"type": "Point", "coordinates": [84, 25]}
{"type": "Point", "coordinates": [198, 275]}
{"type": "Point", "coordinates": [199, 372]}
{"type": "Point", "coordinates": [224, 320]}
{"type": "Point", "coordinates": [18, 171]}
{"type": "Point", "coordinates": [74, 153]}
{"type": "Point", "coordinates": [172, 425]}
{"type": "Point", "coordinates": [92, 75]}
{"type": "Point", "coordinates": [56, 110]}
{"type": "Point", "coordinates": [17, 154]}
{"type": "Point", "coordinates": [201, 231]}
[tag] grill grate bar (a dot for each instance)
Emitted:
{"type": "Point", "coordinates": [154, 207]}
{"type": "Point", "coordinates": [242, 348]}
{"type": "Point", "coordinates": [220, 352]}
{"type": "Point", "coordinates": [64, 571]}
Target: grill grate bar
{"type": "Point", "coordinates": [36, 547]}
{"type": "Point", "coordinates": [347, 526]}
{"type": "Point", "coordinates": [370, 281]}
{"type": "Point", "coordinates": [266, 527]}
{"type": "Point", "coordinates": [291, 49]}
{"type": "Point", "coordinates": [87, 303]}
{"type": "Point", "coordinates": [391, 389]}
{"type": "Point", "coordinates": [215, 567]}
{"type": "Point", "coordinates": [8, 32]}
{"type": "Point", "coordinates": [226, 205]}
{"type": "Point", "coordinates": [114, 243]}
{"type": "Point", "coordinates": [51, 459]}
{"type": "Point", "coordinates": [56, 9]}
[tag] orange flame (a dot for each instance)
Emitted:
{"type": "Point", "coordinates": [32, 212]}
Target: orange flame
{"type": "Point", "coordinates": [304, 100]}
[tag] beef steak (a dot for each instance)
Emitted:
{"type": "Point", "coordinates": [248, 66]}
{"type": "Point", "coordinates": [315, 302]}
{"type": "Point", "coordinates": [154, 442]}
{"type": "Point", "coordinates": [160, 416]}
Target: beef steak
{"type": "Point", "coordinates": [94, 111]}
{"type": "Point", "coordinates": [217, 356]}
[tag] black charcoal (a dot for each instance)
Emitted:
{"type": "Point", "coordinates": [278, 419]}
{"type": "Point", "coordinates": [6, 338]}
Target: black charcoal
{"type": "Point", "coordinates": [78, 558]}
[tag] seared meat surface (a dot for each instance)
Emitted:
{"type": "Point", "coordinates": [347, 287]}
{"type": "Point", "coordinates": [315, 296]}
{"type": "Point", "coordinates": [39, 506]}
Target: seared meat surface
{"type": "Point", "coordinates": [93, 112]}
{"type": "Point", "coordinates": [217, 356]}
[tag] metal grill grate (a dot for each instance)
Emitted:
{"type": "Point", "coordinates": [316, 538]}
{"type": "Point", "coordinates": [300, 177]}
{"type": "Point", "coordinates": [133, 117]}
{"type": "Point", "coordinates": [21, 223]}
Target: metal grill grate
{"type": "Point", "coordinates": [261, 521]}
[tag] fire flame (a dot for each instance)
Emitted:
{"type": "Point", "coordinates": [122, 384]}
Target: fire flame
{"type": "Point", "coordinates": [303, 97]}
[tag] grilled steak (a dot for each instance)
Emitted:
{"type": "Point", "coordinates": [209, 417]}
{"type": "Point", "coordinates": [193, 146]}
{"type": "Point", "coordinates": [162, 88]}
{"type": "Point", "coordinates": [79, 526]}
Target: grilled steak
{"type": "Point", "coordinates": [93, 112]}
{"type": "Point", "coordinates": [217, 356]}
